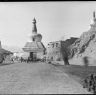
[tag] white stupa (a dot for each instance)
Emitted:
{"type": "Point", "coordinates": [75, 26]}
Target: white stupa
{"type": "Point", "coordinates": [93, 23]}
{"type": "Point", "coordinates": [34, 44]}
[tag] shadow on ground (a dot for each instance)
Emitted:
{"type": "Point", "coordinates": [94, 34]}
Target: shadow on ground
{"type": "Point", "coordinates": [78, 72]}
{"type": "Point", "coordinates": [3, 64]}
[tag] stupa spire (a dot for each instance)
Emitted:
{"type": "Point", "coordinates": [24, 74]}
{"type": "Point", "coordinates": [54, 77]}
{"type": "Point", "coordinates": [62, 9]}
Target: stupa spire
{"type": "Point", "coordinates": [34, 20]}
{"type": "Point", "coordinates": [93, 23]}
{"type": "Point", "coordinates": [94, 17]}
{"type": "Point", "coordinates": [34, 28]}
{"type": "Point", "coordinates": [94, 14]}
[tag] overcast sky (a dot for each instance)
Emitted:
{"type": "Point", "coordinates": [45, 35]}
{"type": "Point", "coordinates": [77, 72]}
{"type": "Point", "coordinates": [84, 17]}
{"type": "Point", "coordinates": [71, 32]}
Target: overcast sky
{"type": "Point", "coordinates": [54, 20]}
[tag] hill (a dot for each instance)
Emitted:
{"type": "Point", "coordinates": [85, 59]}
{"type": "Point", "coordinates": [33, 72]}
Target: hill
{"type": "Point", "coordinates": [86, 44]}
{"type": "Point", "coordinates": [12, 48]}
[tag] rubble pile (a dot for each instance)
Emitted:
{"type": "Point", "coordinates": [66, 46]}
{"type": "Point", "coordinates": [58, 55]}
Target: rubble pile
{"type": "Point", "coordinates": [90, 83]}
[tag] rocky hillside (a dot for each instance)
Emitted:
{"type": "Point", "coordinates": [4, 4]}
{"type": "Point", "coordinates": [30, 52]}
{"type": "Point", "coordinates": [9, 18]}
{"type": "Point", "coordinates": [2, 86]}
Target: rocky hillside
{"type": "Point", "coordinates": [85, 45]}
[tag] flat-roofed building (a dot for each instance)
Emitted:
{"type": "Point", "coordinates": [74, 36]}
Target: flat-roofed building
{"type": "Point", "coordinates": [57, 48]}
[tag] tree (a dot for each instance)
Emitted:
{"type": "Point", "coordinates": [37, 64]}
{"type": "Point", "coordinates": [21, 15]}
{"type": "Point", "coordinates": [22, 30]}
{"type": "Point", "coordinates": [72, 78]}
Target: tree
{"type": "Point", "coordinates": [1, 58]}
{"type": "Point", "coordinates": [64, 52]}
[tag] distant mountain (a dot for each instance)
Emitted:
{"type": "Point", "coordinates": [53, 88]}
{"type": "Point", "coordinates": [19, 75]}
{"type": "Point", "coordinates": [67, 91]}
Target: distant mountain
{"type": "Point", "coordinates": [12, 48]}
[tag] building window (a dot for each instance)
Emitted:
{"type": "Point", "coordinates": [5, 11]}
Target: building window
{"type": "Point", "coordinates": [56, 44]}
{"type": "Point", "coordinates": [48, 46]}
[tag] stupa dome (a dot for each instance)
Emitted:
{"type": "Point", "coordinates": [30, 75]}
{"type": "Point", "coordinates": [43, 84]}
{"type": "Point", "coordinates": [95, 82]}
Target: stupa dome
{"type": "Point", "coordinates": [91, 21]}
{"type": "Point", "coordinates": [38, 37]}
{"type": "Point", "coordinates": [29, 38]}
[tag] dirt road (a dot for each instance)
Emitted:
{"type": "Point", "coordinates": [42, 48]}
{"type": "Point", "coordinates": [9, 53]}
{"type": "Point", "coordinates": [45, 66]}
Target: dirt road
{"type": "Point", "coordinates": [36, 78]}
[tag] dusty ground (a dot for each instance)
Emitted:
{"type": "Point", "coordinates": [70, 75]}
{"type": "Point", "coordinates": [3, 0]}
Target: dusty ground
{"type": "Point", "coordinates": [36, 78]}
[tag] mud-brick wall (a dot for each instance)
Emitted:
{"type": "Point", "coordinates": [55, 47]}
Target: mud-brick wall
{"type": "Point", "coordinates": [40, 55]}
{"type": "Point", "coordinates": [53, 51]}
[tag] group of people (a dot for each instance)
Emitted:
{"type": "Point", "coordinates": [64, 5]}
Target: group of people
{"type": "Point", "coordinates": [25, 59]}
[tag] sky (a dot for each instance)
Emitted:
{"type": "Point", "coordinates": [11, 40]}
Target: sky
{"type": "Point", "coordinates": [55, 20]}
